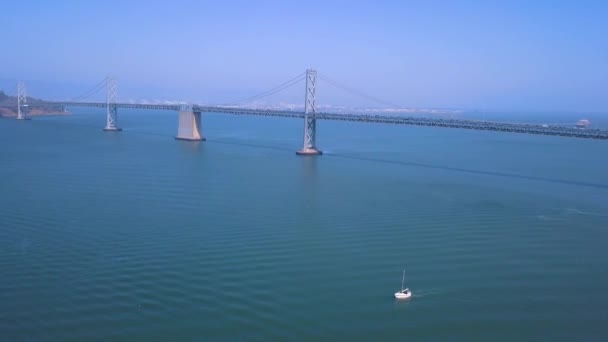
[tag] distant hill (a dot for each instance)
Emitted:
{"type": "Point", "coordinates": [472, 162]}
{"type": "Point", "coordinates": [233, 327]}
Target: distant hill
{"type": "Point", "coordinates": [8, 106]}
{"type": "Point", "coordinates": [3, 97]}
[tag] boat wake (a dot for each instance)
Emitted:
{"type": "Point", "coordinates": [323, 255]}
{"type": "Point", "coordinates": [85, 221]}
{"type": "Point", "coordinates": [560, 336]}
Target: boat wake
{"type": "Point", "coordinates": [441, 296]}
{"type": "Point", "coordinates": [425, 293]}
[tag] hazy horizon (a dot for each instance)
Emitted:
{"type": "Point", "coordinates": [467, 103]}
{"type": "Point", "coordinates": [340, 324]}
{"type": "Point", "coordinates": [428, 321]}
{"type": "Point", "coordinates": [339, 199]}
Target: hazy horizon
{"type": "Point", "coordinates": [537, 57]}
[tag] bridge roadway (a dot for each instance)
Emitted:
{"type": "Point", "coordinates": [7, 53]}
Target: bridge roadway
{"type": "Point", "coordinates": [399, 120]}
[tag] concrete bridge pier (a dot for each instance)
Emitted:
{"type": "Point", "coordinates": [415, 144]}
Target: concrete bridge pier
{"type": "Point", "coordinates": [189, 126]}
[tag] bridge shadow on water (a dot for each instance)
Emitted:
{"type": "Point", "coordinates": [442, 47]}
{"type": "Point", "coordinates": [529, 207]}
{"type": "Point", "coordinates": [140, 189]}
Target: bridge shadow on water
{"type": "Point", "coordinates": [244, 144]}
{"type": "Point", "coordinates": [473, 171]}
{"type": "Point", "coordinates": [312, 166]}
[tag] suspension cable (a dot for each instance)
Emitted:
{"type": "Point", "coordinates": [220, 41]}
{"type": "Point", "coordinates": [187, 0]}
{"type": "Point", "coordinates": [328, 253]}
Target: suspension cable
{"type": "Point", "coordinates": [92, 91]}
{"type": "Point", "coordinates": [271, 91]}
{"type": "Point", "coordinates": [359, 93]}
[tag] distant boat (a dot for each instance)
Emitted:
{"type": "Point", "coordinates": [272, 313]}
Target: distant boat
{"type": "Point", "coordinates": [583, 123]}
{"type": "Point", "coordinates": [405, 293]}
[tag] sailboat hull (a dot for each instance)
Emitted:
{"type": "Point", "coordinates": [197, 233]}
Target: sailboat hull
{"type": "Point", "coordinates": [401, 295]}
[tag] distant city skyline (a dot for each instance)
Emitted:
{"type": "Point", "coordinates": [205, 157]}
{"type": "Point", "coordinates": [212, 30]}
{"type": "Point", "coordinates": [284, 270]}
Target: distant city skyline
{"type": "Point", "coordinates": [516, 55]}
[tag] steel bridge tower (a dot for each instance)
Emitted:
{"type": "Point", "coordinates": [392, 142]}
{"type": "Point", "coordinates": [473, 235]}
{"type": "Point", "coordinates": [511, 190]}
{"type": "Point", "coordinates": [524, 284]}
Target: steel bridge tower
{"type": "Point", "coordinates": [21, 101]}
{"type": "Point", "coordinates": [310, 116]}
{"type": "Point", "coordinates": [112, 108]}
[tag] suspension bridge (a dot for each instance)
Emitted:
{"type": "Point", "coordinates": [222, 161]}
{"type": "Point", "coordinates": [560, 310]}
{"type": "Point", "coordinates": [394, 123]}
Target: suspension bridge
{"type": "Point", "coordinates": [189, 125]}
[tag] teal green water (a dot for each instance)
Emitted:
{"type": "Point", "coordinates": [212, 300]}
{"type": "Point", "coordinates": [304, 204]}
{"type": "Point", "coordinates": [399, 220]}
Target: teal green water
{"type": "Point", "coordinates": [134, 236]}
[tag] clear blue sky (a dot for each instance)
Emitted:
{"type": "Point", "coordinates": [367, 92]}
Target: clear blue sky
{"type": "Point", "coordinates": [498, 55]}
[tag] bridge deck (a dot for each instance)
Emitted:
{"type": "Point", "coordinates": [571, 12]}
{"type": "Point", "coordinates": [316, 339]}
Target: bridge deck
{"type": "Point", "coordinates": [385, 119]}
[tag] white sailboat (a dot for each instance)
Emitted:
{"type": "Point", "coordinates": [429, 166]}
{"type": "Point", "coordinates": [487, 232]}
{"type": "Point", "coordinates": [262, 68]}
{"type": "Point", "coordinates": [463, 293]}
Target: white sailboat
{"type": "Point", "coordinates": [405, 293]}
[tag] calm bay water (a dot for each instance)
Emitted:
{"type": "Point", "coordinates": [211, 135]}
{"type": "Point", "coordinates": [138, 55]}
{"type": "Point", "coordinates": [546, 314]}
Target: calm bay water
{"type": "Point", "coordinates": [135, 236]}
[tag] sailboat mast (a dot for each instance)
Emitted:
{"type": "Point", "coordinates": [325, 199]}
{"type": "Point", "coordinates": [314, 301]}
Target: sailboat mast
{"type": "Point", "coordinates": [402, 279]}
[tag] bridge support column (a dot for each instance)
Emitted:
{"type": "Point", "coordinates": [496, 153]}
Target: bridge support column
{"type": "Point", "coordinates": [112, 110]}
{"type": "Point", "coordinates": [21, 102]}
{"type": "Point", "coordinates": [189, 126]}
{"type": "Point", "coordinates": [310, 116]}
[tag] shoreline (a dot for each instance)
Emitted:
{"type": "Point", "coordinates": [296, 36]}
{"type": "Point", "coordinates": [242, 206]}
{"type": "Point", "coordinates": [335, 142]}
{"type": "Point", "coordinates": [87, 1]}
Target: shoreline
{"type": "Point", "coordinates": [8, 113]}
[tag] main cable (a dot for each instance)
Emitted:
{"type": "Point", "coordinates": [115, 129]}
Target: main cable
{"type": "Point", "coordinates": [92, 91]}
{"type": "Point", "coordinates": [271, 91]}
{"type": "Point", "coordinates": [359, 93]}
